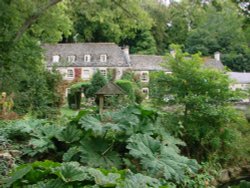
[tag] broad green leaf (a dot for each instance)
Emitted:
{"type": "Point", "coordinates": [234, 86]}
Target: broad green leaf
{"type": "Point", "coordinates": [109, 180]}
{"type": "Point", "coordinates": [97, 152]}
{"type": "Point", "coordinates": [18, 174]}
{"type": "Point", "coordinates": [71, 171]}
{"type": "Point", "coordinates": [159, 160]}
{"type": "Point", "coordinates": [70, 134]}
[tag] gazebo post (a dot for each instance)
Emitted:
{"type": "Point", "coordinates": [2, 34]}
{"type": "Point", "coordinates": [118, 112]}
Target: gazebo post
{"type": "Point", "coordinates": [101, 103]}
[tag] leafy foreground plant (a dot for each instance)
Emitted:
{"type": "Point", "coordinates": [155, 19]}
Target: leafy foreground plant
{"type": "Point", "coordinates": [127, 139]}
{"type": "Point", "coordinates": [71, 174]}
{"type": "Point", "coordinates": [160, 160]}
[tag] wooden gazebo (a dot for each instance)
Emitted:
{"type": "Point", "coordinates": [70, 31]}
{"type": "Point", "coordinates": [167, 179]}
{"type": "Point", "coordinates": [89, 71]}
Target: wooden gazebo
{"type": "Point", "coordinates": [108, 90]}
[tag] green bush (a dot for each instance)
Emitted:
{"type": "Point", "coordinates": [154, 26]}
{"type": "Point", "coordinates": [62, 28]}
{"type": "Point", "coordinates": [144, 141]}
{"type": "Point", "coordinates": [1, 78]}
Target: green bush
{"type": "Point", "coordinates": [97, 82]}
{"type": "Point", "coordinates": [127, 86]}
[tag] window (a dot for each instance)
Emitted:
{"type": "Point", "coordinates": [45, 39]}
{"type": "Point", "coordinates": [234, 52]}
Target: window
{"type": "Point", "coordinates": [144, 77]}
{"type": "Point", "coordinates": [87, 58]}
{"type": "Point", "coordinates": [103, 58]}
{"type": "Point", "coordinates": [86, 74]}
{"type": "Point", "coordinates": [103, 72]}
{"type": "Point", "coordinates": [146, 92]}
{"type": "Point", "coordinates": [71, 58]}
{"type": "Point", "coordinates": [55, 58]}
{"type": "Point", "coordinates": [70, 73]}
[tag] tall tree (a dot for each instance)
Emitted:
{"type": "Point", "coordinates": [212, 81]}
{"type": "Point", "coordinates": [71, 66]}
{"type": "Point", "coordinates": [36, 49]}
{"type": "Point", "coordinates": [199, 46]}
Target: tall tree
{"type": "Point", "coordinates": [202, 101]}
{"type": "Point", "coordinates": [24, 25]}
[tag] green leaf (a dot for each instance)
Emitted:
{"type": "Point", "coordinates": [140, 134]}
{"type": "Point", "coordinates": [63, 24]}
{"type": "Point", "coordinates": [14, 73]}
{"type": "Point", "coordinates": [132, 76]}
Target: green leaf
{"type": "Point", "coordinates": [97, 152]}
{"type": "Point", "coordinates": [69, 155]}
{"type": "Point", "coordinates": [70, 134]}
{"type": "Point", "coordinates": [54, 183]}
{"type": "Point", "coordinates": [109, 180]}
{"type": "Point", "coordinates": [18, 174]}
{"type": "Point", "coordinates": [71, 171]}
{"type": "Point", "coordinates": [159, 160]}
{"type": "Point", "coordinates": [139, 180]}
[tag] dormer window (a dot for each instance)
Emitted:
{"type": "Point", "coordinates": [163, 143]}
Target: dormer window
{"type": "Point", "coordinates": [71, 58]}
{"type": "Point", "coordinates": [87, 58]}
{"type": "Point", "coordinates": [55, 58]}
{"type": "Point", "coordinates": [103, 58]}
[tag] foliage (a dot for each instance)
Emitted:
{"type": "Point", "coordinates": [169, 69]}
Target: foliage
{"type": "Point", "coordinates": [135, 79]}
{"type": "Point", "coordinates": [97, 82]}
{"type": "Point", "coordinates": [238, 59]}
{"type": "Point", "coordinates": [203, 99]}
{"type": "Point", "coordinates": [22, 70]}
{"type": "Point", "coordinates": [108, 21]}
{"type": "Point", "coordinates": [127, 86]}
{"type": "Point", "coordinates": [71, 174]}
{"type": "Point", "coordinates": [143, 43]}
{"type": "Point", "coordinates": [156, 93]}
{"type": "Point", "coordinates": [221, 29]}
{"type": "Point", "coordinates": [159, 160]}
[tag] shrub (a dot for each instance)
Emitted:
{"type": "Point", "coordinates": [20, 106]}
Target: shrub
{"type": "Point", "coordinates": [97, 82]}
{"type": "Point", "coordinates": [127, 86]}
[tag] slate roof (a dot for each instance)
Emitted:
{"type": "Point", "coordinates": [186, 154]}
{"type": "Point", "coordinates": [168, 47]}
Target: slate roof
{"type": "Point", "coordinates": [110, 89]}
{"type": "Point", "coordinates": [240, 77]}
{"type": "Point", "coordinates": [115, 55]}
{"type": "Point", "coordinates": [213, 63]}
{"type": "Point", "coordinates": [147, 62]}
{"type": "Point", "coordinates": [153, 63]}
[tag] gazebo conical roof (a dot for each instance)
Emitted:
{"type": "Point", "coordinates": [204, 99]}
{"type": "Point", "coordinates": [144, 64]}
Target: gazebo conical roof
{"type": "Point", "coordinates": [110, 89]}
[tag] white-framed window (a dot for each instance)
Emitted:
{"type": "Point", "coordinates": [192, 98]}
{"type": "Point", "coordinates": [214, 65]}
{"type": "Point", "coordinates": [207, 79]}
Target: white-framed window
{"type": "Point", "coordinates": [86, 74]}
{"type": "Point", "coordinates": [103, 58]}
{"type": "Point", "coordinates": [71, 58]}
{"type": "Point", "coordinates": [70, 73]}
{"type": "Point", "coordinates": [103, 72]}
{"type": "Point", "coordinates": [55, 58]}
{"type": "Point", "coordinates": [87, 58]}
{"type": "Point", "coordinates": [144, 77]}
{"type": "Point", "coordinates": [145, 90]}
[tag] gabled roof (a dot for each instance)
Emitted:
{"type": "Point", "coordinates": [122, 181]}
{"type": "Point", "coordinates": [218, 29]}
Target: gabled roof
{"type": "Point", "coordinates": [240, 77]}
{"type": "Point", "coordinates": [147, 62]}
{"type": "Point", "coordinates": [110, 89]}
{"type": "Point", "coordinates": [115, 55]}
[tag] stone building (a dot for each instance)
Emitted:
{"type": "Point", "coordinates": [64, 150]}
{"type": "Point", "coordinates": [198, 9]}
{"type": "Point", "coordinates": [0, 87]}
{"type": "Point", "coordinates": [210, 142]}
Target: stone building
{"type": "Point", "coordinates": [82, 60]}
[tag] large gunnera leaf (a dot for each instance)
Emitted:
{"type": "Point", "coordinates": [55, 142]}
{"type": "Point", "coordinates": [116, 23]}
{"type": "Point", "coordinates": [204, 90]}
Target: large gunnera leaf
{"type": "Point", "coordinates": [159, 160]}
{"type": "Point", "coordinates": [69, 135]}
{"type": "Point", "coordinates": [71, 171]}
{"type": "Point", "coordinates": [97, 152]}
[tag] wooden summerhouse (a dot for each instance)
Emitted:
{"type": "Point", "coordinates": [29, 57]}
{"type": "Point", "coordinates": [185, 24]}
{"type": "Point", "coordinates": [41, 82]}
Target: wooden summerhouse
{"type": "Point", "coordinates": [109, 89]}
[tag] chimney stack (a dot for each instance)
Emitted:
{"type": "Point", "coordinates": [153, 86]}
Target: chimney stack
{"type": "Point", "coordinates": [125, 50]}
{"type": "Point", "coordinates": [217, 56]}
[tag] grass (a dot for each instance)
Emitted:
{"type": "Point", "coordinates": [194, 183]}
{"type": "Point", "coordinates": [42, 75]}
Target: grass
{"type": "Point", "coordinates": [66, 111]}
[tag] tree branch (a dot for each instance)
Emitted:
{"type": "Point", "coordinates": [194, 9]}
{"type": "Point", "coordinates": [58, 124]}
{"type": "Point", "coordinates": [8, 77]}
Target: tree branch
{"type": "Point", "coordinates": [33, 18]}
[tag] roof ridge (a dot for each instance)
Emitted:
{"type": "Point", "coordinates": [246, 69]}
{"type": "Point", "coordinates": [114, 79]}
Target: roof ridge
{"type": "Point", "coordinates": [146, 55]}
{"type": "Point", "coordinates": [77, 43]}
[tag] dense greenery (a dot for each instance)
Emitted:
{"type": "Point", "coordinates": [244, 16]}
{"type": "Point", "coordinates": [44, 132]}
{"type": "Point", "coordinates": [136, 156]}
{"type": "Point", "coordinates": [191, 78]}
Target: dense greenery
{"type": "Point", "coordinates": [193, 130]}
{"type": "Point", "coordinates": [131, 138]}
{"type": "Point", "coordinates": [201, 103]}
